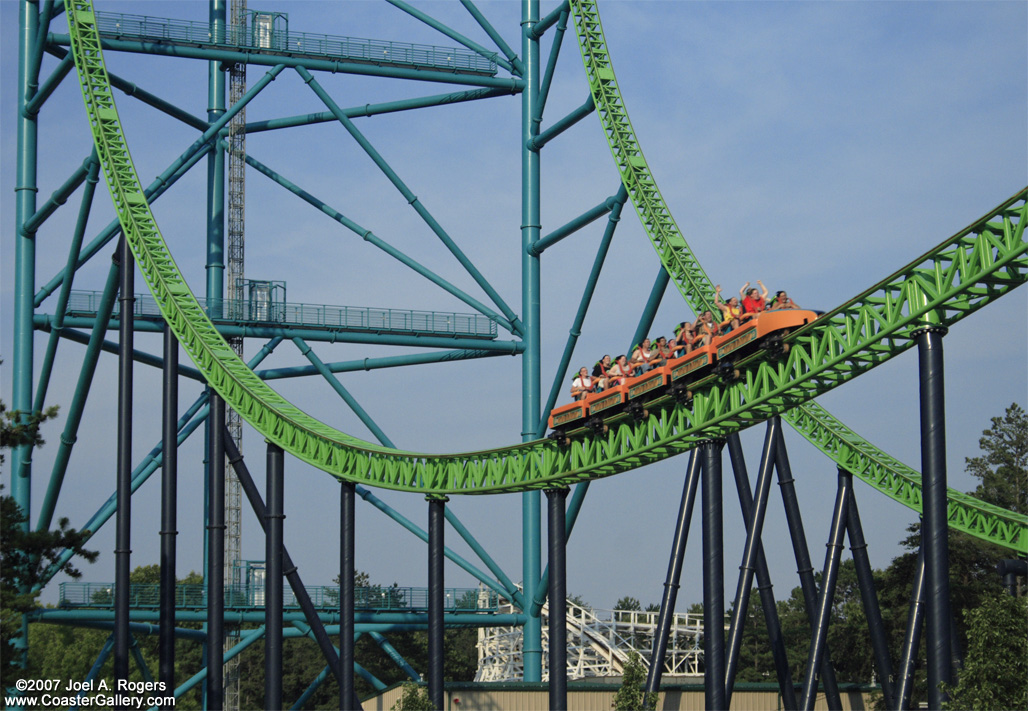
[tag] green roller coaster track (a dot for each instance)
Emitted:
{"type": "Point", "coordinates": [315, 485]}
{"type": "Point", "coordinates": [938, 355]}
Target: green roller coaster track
{"type": "Point", "coordinates": [964, 273]}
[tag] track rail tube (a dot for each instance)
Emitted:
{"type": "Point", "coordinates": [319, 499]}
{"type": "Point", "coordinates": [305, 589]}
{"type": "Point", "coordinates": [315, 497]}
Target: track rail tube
{"type": "Point", "coordinates": [869, 598]}
{"type": "Point", "coordinates": [713, 579]}
{"type": "Point", "coordinates": [764, 587]}
{"type": "Point", "coordinates": [754, 521]}
{"type": "Point", "coordinates": [935, 534]}
{"type": "Point", "coordinates": [273, 599]}
{"type": "Point", "coordinates": [169, 510]}
{"type": "Point", "coordinates": [557, 616]}
{"type": "Point", "coordinates": [123, 535]}
{"type": "Point", "coordinates": [804, 567]}
{"type": "Point", "coordinates": [436, 524]}
{"type": "Point", "coordinates": [674, 576]}
{"type": "Point", "coordinates": [215, 572]}
{"type": "Point", "coordinates": [347, 570]}
{"type": "Point", "coordinates": [833, 557]}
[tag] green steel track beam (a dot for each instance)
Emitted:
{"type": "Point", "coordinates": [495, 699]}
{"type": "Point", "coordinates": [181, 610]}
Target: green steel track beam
{"type": "Point", "coordinates": [964, 273]}
{"type": "Point", "coordinates": [812, 421]}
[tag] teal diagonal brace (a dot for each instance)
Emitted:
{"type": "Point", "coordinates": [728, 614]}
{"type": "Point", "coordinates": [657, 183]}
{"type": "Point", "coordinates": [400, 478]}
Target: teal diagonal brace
{"type": "Point", "coordinates": [133, 90]}
{"type": "Point", "coordinates": [518, 67]}
{"type": "Point", "coordinates": [539, 28]}
{"type": "Point", "coordinates": [333, 381]}
{"type": "Point", "coordinates": [411, 198]}
{"type": "Point", "coordinates": [78, 400]}
{"type": "Point", "coordinates": [62, 300]}
{"type": "Point", "coordinates": [583, 307]}
{"type": "Point", "coordinates": [377, 109]}
{"type": "Point", "coordinates": [551, 63]}
{"type": "Point", "coordinates": [586, 218]}
{"type": "Point", "coordinates": [453, 34]}
{"type": "Point", "coordinates": [32, 107]}
{"type": "Point", "coordinates": [378, 363]}
{"type": "Point", "coordinates": [370, 236]}
{"type": "Point", "coordinates": [59, 196]}
{"type": "Point", "coordinates": [397, 658]}
{"type": "Point", "coordinates": [385, 508]}
{"type": "Point", "coordinates": [512, 590]}
{"type": "Point", "coordinates": [245, 641]}
{"type": "Point", "coordinates": [173, 172]}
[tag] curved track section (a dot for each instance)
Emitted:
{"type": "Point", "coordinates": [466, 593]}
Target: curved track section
{"type": "Point", "coordinates": [961, 275]}
{"type": "Point", "coordinates": [828, 434]}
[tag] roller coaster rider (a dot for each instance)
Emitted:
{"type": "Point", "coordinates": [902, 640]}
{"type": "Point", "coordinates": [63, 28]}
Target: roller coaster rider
{"type": "Point", "coordinates": [583, 384]}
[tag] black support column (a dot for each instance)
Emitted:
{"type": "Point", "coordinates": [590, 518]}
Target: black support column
{"type": "Point", "coordinates": [872, 612]}
{"type": "Point", "coordinates": [557, 616]}
{"type": "Point", "coordinates": [169, 511]}
{"type": "Point", "coordinates": [436, 522]}
{"type": "Point", "coordinates": [674, 576]}
{"type": "Point", "coordinates": [123, 535]}
{"type": "Point", "coordinates": [347, 568]}
{"type": "Point", "coordinates": [713, 578]}
{"type": "Point", "coordinates": [912, 640]}
{"type": "Point", "coordinates": [273, 593]}
{"type": "Point", "coordinates": [804, 567]}
{"type": "Point", "coordinates": [764, 587]}
{"type": "Point", "coordinates": [216, 553]}
{"type": "Point", "coordinates": [935, 534]}
{"type": "Point", "coordinates": [754, 520]}
{"type": "Point", "coordinates": [829, 576]}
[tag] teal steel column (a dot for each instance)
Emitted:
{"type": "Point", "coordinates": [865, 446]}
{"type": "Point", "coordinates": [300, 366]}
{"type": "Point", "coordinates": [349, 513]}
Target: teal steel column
{"type": "Point", "coordinates": [216, 172]}
{"type": "Point", "coordinates": [24, 254]}
{"type": "Point", "coordinates": [532, 645]}
{"type": "Point", "coordinates": [24, 272]}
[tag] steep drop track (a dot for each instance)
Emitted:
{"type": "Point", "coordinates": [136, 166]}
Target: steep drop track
{"type": "Point", "coordinates": [964, 273]}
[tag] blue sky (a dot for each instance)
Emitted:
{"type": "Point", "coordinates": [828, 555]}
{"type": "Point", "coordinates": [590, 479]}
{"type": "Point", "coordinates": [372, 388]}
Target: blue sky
{"type": "Point", "coordinates": [816, 146]}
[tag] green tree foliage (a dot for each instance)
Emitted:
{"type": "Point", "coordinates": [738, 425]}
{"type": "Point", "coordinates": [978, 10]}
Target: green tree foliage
{"type": "Point", "coordinates": [631, 695]}
{"type": "Point", "coordinates": [413, 698]}
{"type": "Point", "coordinates": [65, 652]}
{"type": "Point", "coordinates": [25, 555]}
{"type": "Point", "coordinates": [995, 673]}
{"type": "Point", "coordinates": [1003, 466]}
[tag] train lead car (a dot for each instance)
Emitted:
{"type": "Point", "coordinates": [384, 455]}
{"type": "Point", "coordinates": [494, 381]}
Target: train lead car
{"type": "Point", "coordinates": [767, 331]}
